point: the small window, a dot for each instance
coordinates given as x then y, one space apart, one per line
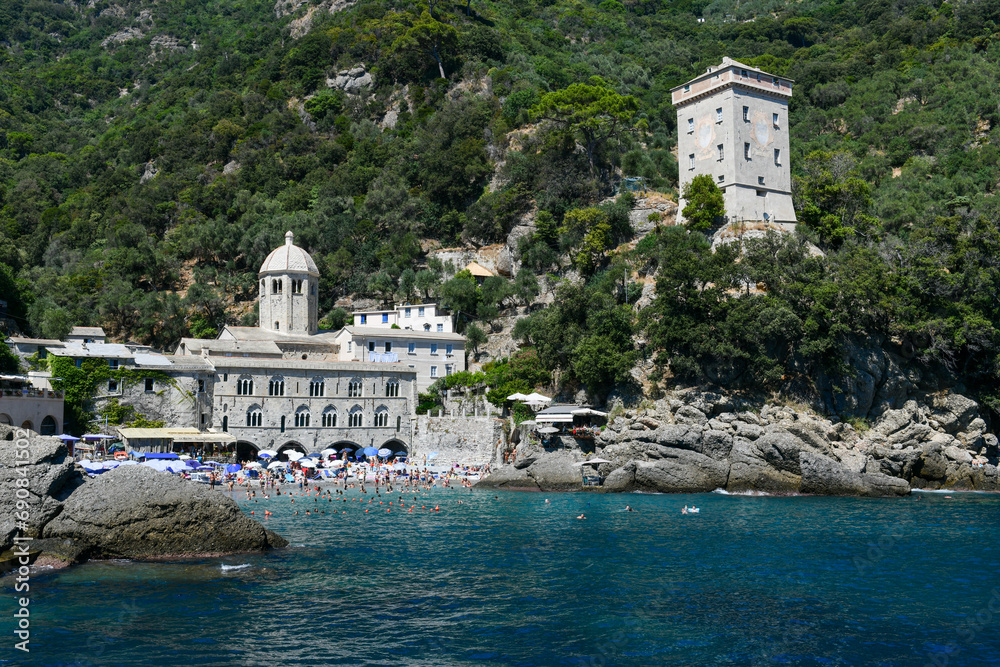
449 349
743 73
225 377
277 325
746 114
448 370
722 152
282 423
420 311
434 371
777 156
777 82
203 418
113 364
225 424
718 115
760 180
746 150
440 327
354 389
392 389
349 344
722 177
385 318
112 386
434 348
690 125
687 87
407 312
364 319
774 119
762 193
354 418
149 384
371 346
411 347
691 161
79 363
388 346
201 386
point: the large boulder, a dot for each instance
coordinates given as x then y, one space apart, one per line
824 476
137 512
40 465
508 477
749 471
680 471
557 471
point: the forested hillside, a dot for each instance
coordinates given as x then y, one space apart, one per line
152 153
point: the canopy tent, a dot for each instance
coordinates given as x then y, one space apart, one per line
517 397
583 412
535 397
592 462
97 436
152 455
67 438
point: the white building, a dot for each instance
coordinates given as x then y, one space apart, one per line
418 317
432 354
732 124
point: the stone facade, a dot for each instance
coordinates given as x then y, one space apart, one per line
288 290
462 440
431 355
733 125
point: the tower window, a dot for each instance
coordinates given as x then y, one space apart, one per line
690 125
722 177
691 161
774 119
354 419
254 417
687 87
317 387
244 386
302 419
330 418
354 389
746 150
276 387
718 115
760 180
149 384
722 152
746 114
392 388
777 156
277 325
761 193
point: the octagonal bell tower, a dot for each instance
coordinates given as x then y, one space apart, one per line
289 281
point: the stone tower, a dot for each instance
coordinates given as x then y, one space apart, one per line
288 284
732 123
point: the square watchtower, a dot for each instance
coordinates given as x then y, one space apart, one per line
732 124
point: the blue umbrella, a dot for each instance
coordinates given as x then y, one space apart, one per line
233 467
370 451
346 449
264 456
401 454
314 456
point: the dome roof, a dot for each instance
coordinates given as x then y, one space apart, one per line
289 258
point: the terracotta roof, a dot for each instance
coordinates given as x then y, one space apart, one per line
479 271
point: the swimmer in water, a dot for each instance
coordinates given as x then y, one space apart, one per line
628 508
581 517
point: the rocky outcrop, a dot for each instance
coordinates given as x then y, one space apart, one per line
129 512
351 81
700 441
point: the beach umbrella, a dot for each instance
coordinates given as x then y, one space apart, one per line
67 438
385 452
234 467
193 463
401 454
548 430
328 451
516 397
156 464
128 463
253 464
335 464
535 397
267 452
294 455
399 466
184 457
346 449
277 464
307 463
370 451
265 455
314 455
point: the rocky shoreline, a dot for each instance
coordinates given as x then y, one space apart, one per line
131 512
698 441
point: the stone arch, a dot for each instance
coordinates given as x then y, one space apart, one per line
48 426
5 419
396 445
246 450
289 446
27 423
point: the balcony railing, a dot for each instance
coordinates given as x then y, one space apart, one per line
31 393
383 357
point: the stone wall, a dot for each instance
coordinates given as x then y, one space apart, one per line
464 440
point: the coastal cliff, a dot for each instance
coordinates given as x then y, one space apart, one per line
694 441
129 512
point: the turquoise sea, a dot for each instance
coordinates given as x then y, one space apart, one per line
510 579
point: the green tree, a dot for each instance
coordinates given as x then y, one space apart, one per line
430 37
704 203
475 337
593 110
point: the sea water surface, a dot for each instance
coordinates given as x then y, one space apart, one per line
516 579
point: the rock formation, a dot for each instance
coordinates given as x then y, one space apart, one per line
129 512
700 441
